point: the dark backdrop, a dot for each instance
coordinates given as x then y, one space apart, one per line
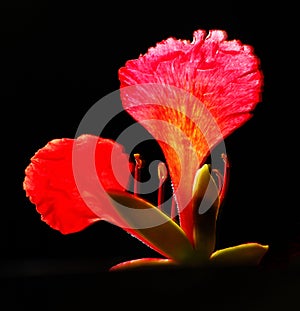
59 59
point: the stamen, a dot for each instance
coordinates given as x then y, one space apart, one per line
220 179
173 209
137 173
225 177
162 176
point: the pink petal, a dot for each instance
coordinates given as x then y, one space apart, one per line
199 92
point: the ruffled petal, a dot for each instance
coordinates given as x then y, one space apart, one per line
60 197
200 92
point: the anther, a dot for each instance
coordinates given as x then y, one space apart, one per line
225 176
137 172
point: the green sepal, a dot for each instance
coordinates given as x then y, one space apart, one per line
205 210
150 224
248 254
144 263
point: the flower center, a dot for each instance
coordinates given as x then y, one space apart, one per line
169 207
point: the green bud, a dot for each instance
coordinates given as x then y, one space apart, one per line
205 210
205 190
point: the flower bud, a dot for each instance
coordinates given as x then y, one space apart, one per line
205 210
205 190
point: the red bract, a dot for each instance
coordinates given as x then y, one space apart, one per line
50 183
204 89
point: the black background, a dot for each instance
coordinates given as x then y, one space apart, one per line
59 59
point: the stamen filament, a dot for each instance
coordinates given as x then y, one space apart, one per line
137 173
162 175
220 179
173 208
225 177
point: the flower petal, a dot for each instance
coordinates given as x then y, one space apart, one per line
50 184
205 89
248 254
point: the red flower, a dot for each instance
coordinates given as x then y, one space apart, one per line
202 91
189 96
